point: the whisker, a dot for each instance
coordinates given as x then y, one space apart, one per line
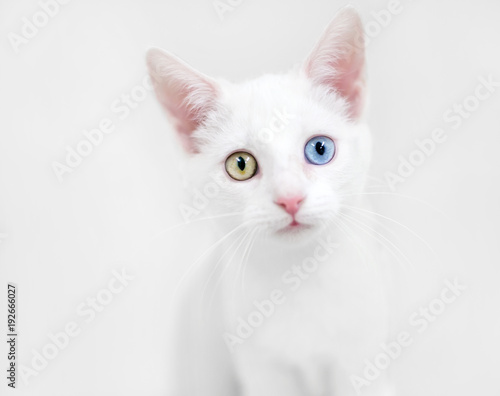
361 224
221 276
354 208
195 221
378 223
253 237
344 227
216 266
398 195
211 248
372 267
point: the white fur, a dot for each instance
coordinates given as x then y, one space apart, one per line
336 319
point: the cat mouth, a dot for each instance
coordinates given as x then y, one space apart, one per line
293 227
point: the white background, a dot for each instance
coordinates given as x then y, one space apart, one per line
64 239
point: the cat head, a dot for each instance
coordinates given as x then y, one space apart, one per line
288 149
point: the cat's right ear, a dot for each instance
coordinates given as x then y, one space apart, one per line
187 95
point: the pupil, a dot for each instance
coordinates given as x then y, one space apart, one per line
241 163
320 148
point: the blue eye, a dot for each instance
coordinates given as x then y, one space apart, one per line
319 150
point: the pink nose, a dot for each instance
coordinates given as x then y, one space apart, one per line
290 204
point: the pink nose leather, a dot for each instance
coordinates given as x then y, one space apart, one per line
290 204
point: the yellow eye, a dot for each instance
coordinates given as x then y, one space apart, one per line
241 166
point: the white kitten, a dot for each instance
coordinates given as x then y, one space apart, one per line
295 301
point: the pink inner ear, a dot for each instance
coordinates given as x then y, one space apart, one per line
187 118
338 60
344 76
186 95
350 83
188 103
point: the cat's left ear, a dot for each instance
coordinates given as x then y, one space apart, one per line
186 94
338 60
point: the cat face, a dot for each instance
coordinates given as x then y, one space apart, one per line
290 147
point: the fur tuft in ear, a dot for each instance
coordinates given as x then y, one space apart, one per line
338 60
186 94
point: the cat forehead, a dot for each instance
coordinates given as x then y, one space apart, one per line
268 93
284 106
